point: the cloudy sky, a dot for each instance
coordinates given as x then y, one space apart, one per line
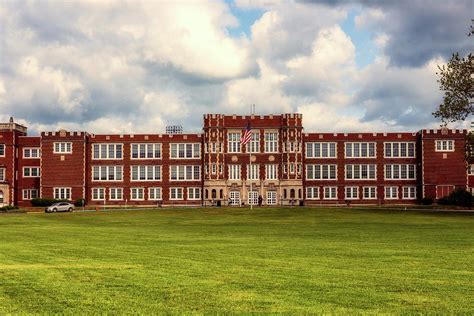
134 67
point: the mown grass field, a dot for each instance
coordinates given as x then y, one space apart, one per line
237 260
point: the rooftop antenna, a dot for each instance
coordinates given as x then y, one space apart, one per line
252 109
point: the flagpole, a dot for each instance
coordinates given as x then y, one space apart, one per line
250 172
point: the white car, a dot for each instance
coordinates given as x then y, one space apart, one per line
60 207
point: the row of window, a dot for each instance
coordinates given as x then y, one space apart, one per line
361 172
138 194
146 173
366 193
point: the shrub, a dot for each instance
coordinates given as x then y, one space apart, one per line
427 201
8 207
458 197
45 201
80 202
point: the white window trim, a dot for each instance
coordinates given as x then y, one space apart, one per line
64 188
330 198
444 140
28 194
391 198
182 194
369 198
399 151
321 179
107 180
137 199
4 150
155 189
110 194
31 168
31 149
146 173
360 168
65 146
97 199
115 151
313 198
239 132
320 150
185 158
239 172
185 179
368 157
273 141
403 192
399 179
146 148
269 199
2 174
267 167
194 193
351 188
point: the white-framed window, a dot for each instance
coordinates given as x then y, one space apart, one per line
352 193
234 197
176 194
360 150
271 172
271 197
285 168
444 145
400 172
31 172
215 147
62 193
369 193
107 151
233 142
409 192
312 193
292 167
253 172
62 148
194 193
107 173
391 193
271 142
252 197
321 150
234 172
145 151
185 173
2 150
254 145
399 149
116 194
470 170
185 151
361 172
98 194
31 153
330 193
2 174
29 194
154 194
145 173
321 172
214 168
137 194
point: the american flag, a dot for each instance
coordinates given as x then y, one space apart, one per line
247 136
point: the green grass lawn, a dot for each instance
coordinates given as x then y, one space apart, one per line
220 260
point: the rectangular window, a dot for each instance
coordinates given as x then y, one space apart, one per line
312 193
271 142
254 145
29 194
271 198
391 193
321 172
234 172
145 151
352 193
116 194
233 142
400 172
107 173
185 173
409 193
253 172
360 150
330 193
444 145
107 151
2 150
31 172
154 194
176 194
321 150
470 170
399 149
369 193
62 148
62 193
185 151
2 174
194 193
361 172
145 173
137 194
234 198
271 172
31 153
98 194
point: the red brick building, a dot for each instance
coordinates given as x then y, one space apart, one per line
281 165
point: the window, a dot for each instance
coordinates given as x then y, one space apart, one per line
62 193
444 190
137 194
330 193
271 142
312 193
321 150
116 194
292 167
146 151
233 142
176 193
62 148
2 174
185 173
352 193
253 172
31 172
444 145
391 193
185 151
194 193
107 151
253 197
400 172
360 150
234 172
254 145
145 173
214 168
271 198
399 149
154 194
30 153
321 172
369 192
2 150
107 173
271 172
234 198
98 194
361 172
470 170
29 194
409 193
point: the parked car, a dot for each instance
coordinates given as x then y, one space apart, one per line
60 207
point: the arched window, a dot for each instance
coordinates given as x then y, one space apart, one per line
299 193
284 193
214 194
292 193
